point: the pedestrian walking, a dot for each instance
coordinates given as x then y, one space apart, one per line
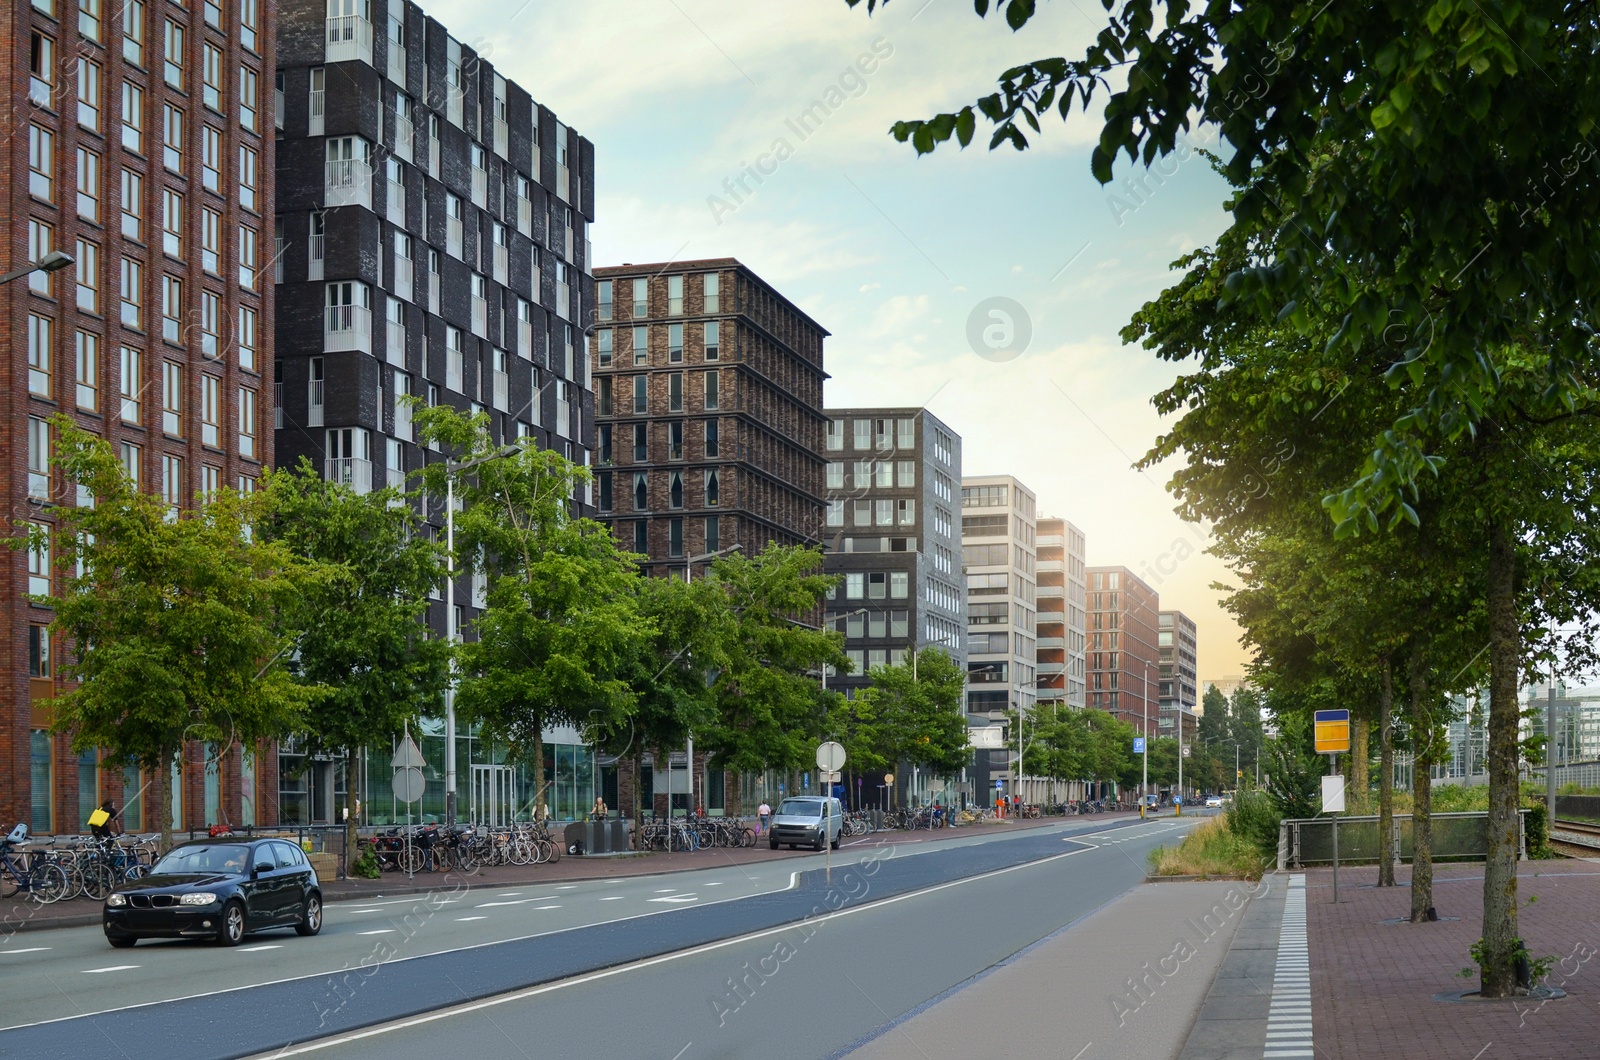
764 816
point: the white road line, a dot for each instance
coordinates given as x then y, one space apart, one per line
29 949
519 901
258 949
362 910
508 894
547 907
613 898
566 887
546 988
380 931
460 919
666 890
1289 1029
675 898
718 883
112 968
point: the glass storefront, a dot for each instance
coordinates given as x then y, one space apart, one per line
88 787
39 761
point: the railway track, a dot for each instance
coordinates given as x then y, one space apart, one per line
1582 837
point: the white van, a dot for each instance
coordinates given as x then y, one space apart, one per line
799 822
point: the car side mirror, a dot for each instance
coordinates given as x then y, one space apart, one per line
260 868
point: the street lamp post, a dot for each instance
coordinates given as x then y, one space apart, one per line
1144 710
450 473
688 762
54 261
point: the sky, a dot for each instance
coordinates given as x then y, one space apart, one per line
758 129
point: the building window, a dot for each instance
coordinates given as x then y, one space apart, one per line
211 77
640 349
172 398
38 459
713 331
213 13
42 67
172 222
899 584
88 370
133 32
247 338
855 585
88 94
133 463
133 117
172 483
38 651
675 343
712 397
88 272
641 491
89 19
41 241
641 298
836 513
248 85
836 474
862 513
710 288
641 398
884 512
907 473
171 308
675 537
211 241
713 488
41 354
211 159
247 178
172 138
675 296
132 385
640 442
835 436
603 347
210 410
603 298
247 422
88 185
675 490
641 537
172 55
249 23
862 432
247 257
132 204
675 392
41 162
712 445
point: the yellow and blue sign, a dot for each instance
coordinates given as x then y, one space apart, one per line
1332 731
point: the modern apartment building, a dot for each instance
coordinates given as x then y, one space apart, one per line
1062 614
140 139
891 481
431 233
709 422
1124 656
708 434
999 541
1177 639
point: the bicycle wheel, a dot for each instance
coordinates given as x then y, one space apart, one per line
555 850
467 858
9 885
410 859
96 880
48 883
747 837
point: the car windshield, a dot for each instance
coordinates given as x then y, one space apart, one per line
221 857
801 808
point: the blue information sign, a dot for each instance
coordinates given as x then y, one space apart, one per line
1138 745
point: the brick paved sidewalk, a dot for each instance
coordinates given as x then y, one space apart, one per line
26 916
1373 984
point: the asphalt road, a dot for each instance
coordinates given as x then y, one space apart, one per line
658 952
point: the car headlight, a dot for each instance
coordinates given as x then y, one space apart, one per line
116 900
200 898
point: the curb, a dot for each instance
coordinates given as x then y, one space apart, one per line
1226 877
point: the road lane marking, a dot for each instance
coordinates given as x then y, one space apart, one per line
112 968
613 898
675 898
30 949
460 919
566 887
363 910
258 949
547 907
718 883
666 890
380 931
518 901
508 894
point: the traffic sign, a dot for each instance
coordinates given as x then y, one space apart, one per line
1332 731
830 756
831 778
408 755
1333 794
409 784
1138 745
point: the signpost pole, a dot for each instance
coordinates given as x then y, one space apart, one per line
1333 769
1332 736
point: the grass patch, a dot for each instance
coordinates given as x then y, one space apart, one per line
1210 850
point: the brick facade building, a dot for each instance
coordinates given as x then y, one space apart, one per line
139 139
1124 657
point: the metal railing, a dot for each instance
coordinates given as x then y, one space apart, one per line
1455 837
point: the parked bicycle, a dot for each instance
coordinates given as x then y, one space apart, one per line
29 871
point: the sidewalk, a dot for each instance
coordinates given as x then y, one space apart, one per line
29 916
1374 984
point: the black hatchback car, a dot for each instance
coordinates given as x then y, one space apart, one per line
220 889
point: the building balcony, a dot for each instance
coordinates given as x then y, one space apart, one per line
502 392
480 188
314 259
563 190
525 338
502 264
349 183
452 371
452 236
404 275
563 301
480 317
402 430
397 478
318 112
347 327
455 106
433 157
349 40
397 64
394 203
314 403
405 135
349 471
395 344
433 293
502 137
525 217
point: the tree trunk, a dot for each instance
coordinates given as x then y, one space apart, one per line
164 797
352 788
1360 764
1500 942
1422 728
541 809
1386 777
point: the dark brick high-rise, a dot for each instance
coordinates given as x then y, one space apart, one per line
140 143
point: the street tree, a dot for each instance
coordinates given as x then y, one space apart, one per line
365 651
917 712
179 621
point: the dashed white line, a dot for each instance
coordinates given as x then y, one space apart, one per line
461 919
546 907
380 931
613 898
258 949
1289 1030
27 949
112 968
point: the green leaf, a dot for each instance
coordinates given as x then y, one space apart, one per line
1383 115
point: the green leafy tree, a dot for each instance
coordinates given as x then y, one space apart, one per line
917 713
179 621
1291 769
562 626
365 652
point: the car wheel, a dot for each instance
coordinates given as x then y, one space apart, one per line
121 942
231 931
773 844
818 844
313 918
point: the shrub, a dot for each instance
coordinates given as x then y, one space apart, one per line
366 864
1254 817
1212 849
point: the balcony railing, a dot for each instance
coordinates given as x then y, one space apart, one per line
349 471
314 261
349 40
347 327
314 403
502 137
525 338
405 137
397 64
452 371
480 317
349 183
277 406
433 157
563 301
433 293
318 111
403 277
452 236
480 188
502 263
395 343
402 424
395 204
502 392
